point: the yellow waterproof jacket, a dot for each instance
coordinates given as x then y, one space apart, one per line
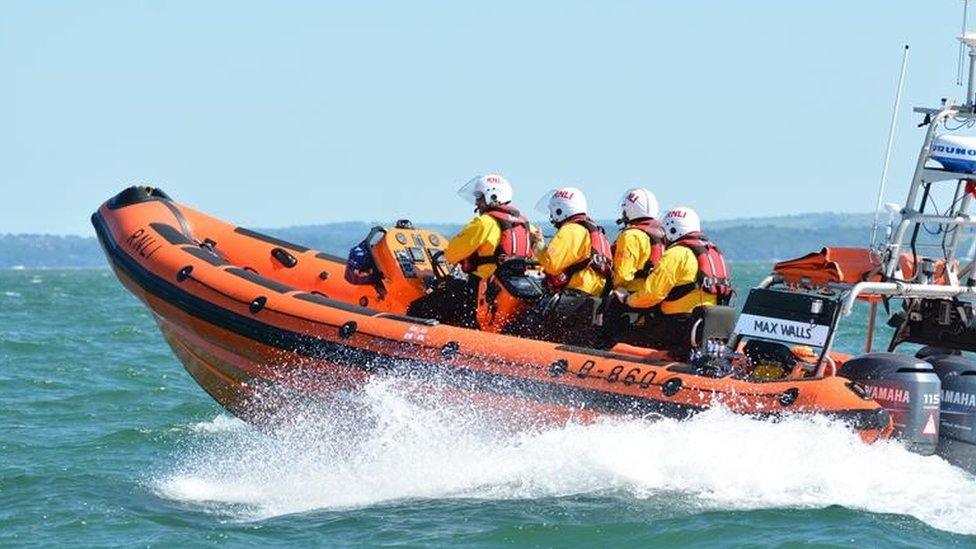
632 251
480 237
678 266
570 245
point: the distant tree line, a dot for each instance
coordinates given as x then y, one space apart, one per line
45 250
751 241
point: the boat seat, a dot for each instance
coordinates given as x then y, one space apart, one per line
716 323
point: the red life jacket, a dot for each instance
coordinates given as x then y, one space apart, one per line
601 254
713 274
652 228
515 240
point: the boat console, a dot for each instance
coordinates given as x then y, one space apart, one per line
408 258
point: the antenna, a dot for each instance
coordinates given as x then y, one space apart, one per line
969 40
891 138
959 64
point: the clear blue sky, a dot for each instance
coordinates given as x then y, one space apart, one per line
285 113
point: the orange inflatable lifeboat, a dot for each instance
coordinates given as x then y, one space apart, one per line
243 310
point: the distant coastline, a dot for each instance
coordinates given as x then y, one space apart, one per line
748 239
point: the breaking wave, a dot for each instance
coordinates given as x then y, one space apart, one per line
389 443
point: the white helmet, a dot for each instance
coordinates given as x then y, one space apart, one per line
562 203
494 188
679 222
638 204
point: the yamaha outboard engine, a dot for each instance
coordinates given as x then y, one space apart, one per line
958 375
908 388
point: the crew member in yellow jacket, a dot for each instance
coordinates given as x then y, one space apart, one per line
498 233
578 259
636 252
641 243
578 269
691 274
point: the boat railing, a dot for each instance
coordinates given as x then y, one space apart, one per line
905 237
851 292
901 289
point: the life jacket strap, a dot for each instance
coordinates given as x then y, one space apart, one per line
515 240
713 274
600 258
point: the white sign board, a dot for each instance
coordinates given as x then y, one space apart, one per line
789 331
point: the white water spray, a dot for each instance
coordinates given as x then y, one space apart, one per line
389 447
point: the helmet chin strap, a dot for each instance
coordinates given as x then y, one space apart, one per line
565 219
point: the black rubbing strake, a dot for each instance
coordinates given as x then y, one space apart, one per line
271 240
209 257
260 280
330 257
410 319
170 233
335 304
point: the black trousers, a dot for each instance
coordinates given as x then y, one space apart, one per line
453 301
648 328
566 317
671 333
620 324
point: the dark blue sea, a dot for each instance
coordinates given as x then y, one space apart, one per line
106 441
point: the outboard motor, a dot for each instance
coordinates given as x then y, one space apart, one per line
958 375
908 388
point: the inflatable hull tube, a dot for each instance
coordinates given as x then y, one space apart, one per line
241 316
